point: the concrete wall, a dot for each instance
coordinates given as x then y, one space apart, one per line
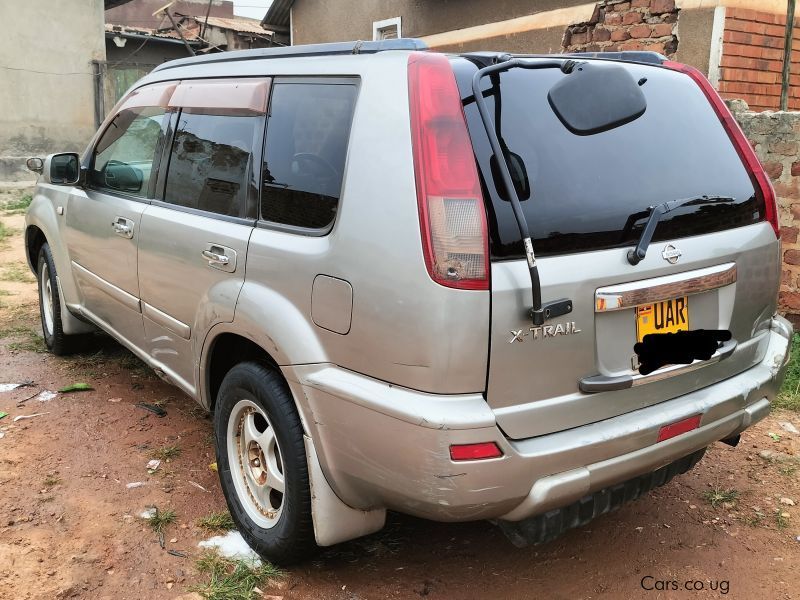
776 139
46 80
324 21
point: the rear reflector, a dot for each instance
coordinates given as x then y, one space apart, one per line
455 239
475 451
748 157
679 427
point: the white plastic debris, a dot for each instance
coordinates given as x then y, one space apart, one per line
46 396
788 427
232 545
7 387
134 485
198 486
153 465
148 513
23 417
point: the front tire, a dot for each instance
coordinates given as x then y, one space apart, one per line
262 463
57 342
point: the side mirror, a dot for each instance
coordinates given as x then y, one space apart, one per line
123 177
35 164
65 168
593 98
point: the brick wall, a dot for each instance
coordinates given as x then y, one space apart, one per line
626 25
752 59
776 139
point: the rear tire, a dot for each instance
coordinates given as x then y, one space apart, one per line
262 464
57 342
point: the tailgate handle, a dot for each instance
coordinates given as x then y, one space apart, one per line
605 383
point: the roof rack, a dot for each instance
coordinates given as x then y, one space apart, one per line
336 48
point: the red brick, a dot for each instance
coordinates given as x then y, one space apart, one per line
746 26
662 29
632 45
732 49
601 35
789 300
776 31
796 168
662 6
579 38
621 7
631 18
789 235
731 74
784 148
620 35
613 18
739 37
792 257
640 31
656 47
640 3
745 14
774 169
757 64
795 209
790 191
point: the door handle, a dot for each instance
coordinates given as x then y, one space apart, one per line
123 227
215 258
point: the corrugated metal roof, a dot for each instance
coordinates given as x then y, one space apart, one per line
123 29
277 16
240 24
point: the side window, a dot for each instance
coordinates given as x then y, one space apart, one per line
123 158
308 129
209 162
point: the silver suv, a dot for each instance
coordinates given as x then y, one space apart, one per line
478 286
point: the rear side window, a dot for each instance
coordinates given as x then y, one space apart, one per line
308 129
123 157
210 161
592 192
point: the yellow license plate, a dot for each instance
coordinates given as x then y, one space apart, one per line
668 316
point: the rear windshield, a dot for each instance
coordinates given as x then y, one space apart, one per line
586 191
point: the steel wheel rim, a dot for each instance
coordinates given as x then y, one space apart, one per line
47 299
256 463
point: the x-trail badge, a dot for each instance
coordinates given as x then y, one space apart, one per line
671 254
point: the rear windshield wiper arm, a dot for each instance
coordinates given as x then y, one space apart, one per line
654 214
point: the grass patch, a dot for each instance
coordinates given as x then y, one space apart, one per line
5 233
789 396
787 470
217 521
51 481
718 496
17 272
231 580
166 452
780 521
159 521
754 520
18 206
33 342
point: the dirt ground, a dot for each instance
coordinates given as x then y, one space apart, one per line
69 526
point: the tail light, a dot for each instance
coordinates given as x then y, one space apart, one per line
451 210
479 451
760 179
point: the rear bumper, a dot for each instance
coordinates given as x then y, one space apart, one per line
381 446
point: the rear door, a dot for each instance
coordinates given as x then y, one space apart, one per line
194 236
710 266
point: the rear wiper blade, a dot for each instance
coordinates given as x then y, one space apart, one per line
654 214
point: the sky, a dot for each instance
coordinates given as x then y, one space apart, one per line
255 9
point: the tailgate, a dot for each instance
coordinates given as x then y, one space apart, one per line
535 376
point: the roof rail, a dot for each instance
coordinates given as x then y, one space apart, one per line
335 48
